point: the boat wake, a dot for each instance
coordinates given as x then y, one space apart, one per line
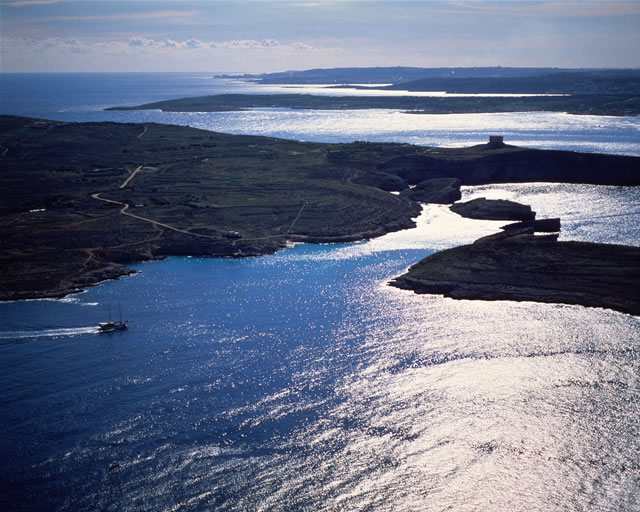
64 332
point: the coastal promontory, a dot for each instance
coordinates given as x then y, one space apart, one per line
78 201
519 265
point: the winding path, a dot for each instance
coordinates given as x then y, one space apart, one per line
124 211
157 225
296 219
130 177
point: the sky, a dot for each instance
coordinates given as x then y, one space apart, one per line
267 36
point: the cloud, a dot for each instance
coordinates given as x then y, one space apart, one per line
140 41
193 44
247 44
140 53
172 15
168 43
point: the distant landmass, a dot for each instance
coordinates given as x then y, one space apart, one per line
392 75
593 104
614 92
609 82
79 200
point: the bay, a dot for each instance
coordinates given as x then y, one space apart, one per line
301 381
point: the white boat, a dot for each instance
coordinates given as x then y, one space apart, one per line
106 327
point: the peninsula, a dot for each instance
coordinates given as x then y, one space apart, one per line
522 266
592 104
611 92
81 200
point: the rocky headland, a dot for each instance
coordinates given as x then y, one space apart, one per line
78 201
494 209
518 264
521 266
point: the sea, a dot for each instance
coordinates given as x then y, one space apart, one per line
301 381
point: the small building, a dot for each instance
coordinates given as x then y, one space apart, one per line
496 141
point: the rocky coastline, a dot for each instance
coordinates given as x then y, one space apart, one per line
519 265
80 201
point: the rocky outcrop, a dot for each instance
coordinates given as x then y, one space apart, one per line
437 190
539 225
518 265
494 209
381 180
481 165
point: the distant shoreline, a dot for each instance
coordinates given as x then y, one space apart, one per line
603 105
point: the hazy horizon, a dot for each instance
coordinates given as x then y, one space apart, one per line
249 72
269 36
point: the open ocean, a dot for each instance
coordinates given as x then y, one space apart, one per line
300 380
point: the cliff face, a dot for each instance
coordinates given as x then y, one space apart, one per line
518 265
107 194
517 165
494 209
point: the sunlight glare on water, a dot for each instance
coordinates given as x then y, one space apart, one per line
370 90
612 214
301 380
545 130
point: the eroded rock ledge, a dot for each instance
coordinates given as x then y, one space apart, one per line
518 265
494 209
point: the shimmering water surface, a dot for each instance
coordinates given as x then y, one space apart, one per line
83 96
301 381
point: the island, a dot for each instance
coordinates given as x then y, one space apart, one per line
494 209
385 75
79 201
474 80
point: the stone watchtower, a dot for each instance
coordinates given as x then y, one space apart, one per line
496 141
